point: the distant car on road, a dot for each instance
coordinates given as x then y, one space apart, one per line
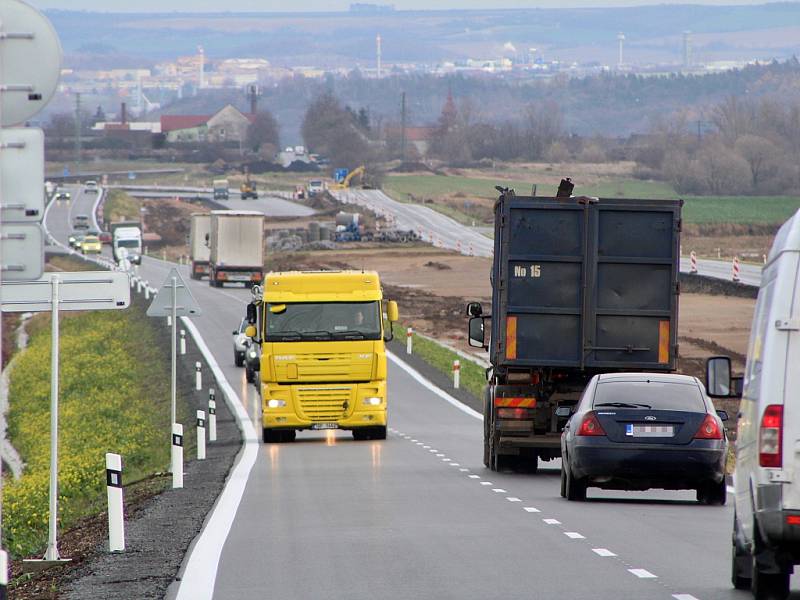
80 222
91 245
636 431
76 244
63 196
91 187
74 238
105 237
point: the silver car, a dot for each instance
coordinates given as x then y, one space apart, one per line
240 344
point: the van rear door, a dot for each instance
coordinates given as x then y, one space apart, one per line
788 325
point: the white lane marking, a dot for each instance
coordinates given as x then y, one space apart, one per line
552 521
426 447
419 444
642 573
463 470
574 535
683 597
730 489
513 499
499 491
199 571
414 441
452 464
603 552
486 483
440 455
530 509
447 459
474 476
441 393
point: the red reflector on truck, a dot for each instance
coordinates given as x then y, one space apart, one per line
511 338
512 413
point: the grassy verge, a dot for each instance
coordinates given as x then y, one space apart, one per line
739 209
473 376
119 206
114 397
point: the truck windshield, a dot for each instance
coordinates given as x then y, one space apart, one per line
127 243
328 321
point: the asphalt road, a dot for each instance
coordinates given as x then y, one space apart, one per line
418 516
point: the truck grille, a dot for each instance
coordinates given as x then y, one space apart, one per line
325 404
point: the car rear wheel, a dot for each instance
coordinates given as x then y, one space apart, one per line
741 563
238 359
713 493
576 488
563 479
250 375
769 586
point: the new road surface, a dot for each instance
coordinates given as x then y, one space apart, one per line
418 516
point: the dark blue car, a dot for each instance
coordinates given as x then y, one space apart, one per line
636 431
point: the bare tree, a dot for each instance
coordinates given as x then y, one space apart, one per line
760 154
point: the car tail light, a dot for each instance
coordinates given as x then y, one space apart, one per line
770 437
590 425
793 520
709 429
512 413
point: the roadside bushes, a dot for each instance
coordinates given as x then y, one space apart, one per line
114 397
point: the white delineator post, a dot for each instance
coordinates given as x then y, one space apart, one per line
456 374
177 455
735 273
183 342
201 435
147 291
52 542
198 376
693 260
409 340
212 416
116 514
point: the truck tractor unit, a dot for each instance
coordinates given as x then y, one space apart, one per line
220 189
126 242
580 286
323 357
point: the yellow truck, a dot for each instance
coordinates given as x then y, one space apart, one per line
323 356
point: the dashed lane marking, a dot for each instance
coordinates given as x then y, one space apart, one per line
462 469
499 491
603 552
486 483
642 573
552 521
574 535
513 499
474 476
683 597
531 509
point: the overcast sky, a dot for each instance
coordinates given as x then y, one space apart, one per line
338 5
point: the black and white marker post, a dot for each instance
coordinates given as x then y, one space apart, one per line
177 455
116 514
212 416
198 369
201 435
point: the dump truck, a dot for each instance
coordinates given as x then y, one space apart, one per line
199 244
580 286
323 358
236 247
220 189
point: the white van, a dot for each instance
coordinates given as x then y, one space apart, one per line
766 530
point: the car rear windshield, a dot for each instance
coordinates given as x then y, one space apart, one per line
649 395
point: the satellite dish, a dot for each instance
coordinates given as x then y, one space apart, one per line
30 62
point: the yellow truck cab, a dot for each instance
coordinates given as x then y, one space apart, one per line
323 357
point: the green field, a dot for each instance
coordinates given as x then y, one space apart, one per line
698 209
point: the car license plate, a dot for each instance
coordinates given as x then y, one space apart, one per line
641 430
325 426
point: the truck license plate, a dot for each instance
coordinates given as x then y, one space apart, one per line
238 278
640 430
325 426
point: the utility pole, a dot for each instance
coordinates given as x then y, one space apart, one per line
403 128
78 143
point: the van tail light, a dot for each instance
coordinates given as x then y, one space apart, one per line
590 425
770 437
709 429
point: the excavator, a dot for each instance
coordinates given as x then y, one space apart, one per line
345 183
248 188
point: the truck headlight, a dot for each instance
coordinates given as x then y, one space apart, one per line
373 401
273 403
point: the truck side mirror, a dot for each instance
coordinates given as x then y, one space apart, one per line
252 313
474 309
477 333
392 312
250 331
718 377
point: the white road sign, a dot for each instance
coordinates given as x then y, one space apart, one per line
84 290
185 304
21 175
22 251
27 40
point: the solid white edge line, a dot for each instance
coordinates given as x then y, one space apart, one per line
198 573
433 388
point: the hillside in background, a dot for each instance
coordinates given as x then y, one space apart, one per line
653 34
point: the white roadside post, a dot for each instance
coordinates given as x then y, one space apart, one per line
177 456
198 376
183 342
456 374
52 545
409 340
201 435
116 514
212 416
